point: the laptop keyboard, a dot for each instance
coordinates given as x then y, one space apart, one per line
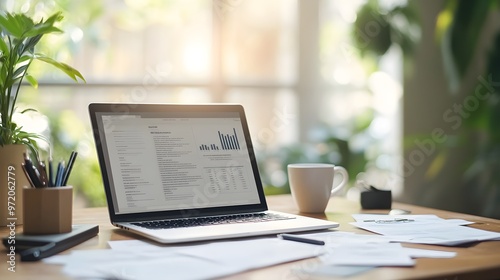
218 220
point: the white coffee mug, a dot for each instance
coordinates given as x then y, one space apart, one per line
311 184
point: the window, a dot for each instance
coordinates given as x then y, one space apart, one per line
288 62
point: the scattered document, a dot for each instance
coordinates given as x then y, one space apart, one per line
333 238
424 253
254 253
354 249
423 229
344 254
419 219
134 259
369 254
327 270
145 246
337 238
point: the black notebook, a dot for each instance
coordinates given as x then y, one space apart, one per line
37 247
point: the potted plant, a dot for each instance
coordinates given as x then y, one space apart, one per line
19 36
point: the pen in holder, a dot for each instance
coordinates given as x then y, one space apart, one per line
48 204
47 210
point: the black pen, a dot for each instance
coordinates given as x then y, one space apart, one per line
292 237
51 174
23 165
42 169
59 174
32 172
67 172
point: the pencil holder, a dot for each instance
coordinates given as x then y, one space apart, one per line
47 210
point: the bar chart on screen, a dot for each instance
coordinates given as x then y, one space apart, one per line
227 142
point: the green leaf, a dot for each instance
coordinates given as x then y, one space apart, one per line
25 22
68 70
3 76
10 82
33 82
460 40
19 37
54 18
4 48
41 30
29 45
375 43
11 24
46 27
21 71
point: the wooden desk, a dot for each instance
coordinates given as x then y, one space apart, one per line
479 261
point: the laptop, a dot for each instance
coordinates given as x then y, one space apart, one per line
180 173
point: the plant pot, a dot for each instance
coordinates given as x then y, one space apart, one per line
12 182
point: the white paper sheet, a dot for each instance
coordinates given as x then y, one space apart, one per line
416 219
370 254
336 238
132 259
369 217
254 253
424 253
424 230
341 237
173 267
346 253
327 270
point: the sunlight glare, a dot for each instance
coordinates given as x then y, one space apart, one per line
25 7
76 35
195 58
386 93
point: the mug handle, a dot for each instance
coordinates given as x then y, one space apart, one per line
345 179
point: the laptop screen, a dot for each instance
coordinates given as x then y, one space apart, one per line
171 157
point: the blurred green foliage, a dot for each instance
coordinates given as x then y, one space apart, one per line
461 35
68 133
459 31
378 27
328 144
